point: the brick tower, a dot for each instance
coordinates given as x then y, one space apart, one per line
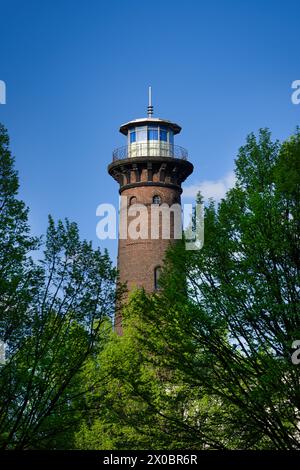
150 170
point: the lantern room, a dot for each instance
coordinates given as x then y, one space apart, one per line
150 137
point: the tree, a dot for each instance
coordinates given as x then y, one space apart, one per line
51 316
243 298
206 362
41 379
16 243
138 401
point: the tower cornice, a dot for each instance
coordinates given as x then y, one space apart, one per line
150 171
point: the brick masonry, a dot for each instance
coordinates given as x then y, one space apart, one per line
142 179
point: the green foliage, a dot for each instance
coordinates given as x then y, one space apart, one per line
51 316
206 363
243 298
141 400
16 270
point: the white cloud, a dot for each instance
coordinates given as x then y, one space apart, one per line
211 189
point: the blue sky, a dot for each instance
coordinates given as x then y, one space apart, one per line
76 70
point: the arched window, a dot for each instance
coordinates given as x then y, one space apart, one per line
132 200
157 271
156 199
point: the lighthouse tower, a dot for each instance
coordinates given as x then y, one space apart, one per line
149 169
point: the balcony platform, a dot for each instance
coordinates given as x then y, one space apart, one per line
150 149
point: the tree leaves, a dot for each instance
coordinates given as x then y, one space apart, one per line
51 315
206 362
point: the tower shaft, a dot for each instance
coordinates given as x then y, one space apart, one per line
150 170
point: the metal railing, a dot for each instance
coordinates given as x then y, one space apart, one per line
150 149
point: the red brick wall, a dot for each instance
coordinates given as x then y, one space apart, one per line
137 259
143 178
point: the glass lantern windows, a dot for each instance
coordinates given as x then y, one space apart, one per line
152 133
163 134
132 136
141 134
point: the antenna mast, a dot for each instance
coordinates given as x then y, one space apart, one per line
150 107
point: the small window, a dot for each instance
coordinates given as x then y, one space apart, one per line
132 136
163 134
171 138
156 199
157 272
132 200
152 133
